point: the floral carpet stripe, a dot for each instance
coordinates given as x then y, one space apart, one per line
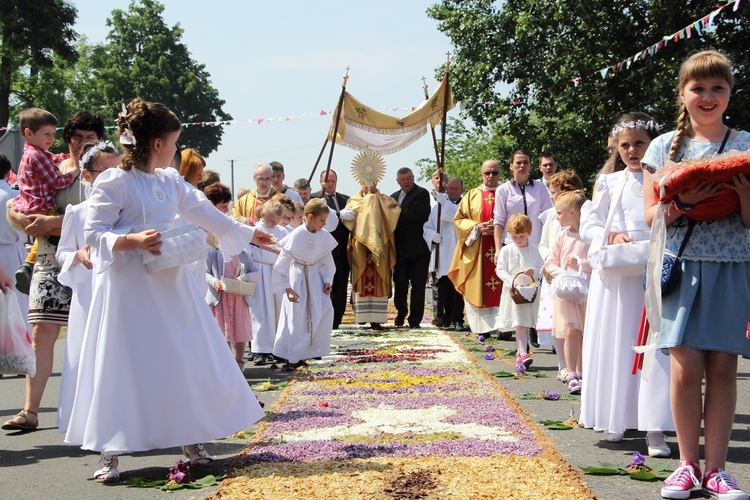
389 405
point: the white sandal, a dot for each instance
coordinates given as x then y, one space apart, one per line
107 471
197 455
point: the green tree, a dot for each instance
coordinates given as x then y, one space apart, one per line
145 58
34 35
530 71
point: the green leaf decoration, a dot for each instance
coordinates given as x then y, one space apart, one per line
502 374
603 471
643 475
476 349
208 480
142 482
172 487
555 425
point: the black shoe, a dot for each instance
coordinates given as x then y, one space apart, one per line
533 338
414 327
505 335
554 351
376 326
399 321
23 278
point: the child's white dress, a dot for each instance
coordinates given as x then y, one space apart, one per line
610 395
511 261
155 371
305 264
80 279
265 304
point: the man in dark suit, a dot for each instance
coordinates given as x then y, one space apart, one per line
336 202
412 252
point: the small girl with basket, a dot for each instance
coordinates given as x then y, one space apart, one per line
703 320
519 265
613 399
231 310
569 251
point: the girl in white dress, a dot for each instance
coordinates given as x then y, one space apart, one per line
265 304
520 256
77 261
155 371
612 398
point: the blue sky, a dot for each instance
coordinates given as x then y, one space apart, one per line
284 58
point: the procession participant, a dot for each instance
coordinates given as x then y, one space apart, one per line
250 202
277 181
303 189
303 272
450 303
472 269
336 203
49 301
547 166
372 247
412 253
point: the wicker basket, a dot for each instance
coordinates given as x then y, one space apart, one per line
525 294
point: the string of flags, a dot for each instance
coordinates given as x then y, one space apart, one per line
698 26
258 120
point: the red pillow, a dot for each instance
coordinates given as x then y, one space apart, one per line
718 169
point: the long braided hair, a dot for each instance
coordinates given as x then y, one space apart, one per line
702 65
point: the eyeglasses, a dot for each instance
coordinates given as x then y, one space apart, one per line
491 172
263 179
287 218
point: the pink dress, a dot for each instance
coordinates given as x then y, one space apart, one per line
566 314
232 312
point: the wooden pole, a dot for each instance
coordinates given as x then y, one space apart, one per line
440 181
336 125
315 167
432 129
446 92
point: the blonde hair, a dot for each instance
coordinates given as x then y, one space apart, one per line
272 207
574 199
519 223
316 206
702 65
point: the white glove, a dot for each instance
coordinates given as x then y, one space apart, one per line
347 214
436 238
440 197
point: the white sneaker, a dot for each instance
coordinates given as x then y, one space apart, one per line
615 437
562 375
107 469
657 446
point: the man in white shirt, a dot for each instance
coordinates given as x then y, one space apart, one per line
442 239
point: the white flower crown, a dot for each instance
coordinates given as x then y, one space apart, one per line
641 124
91 152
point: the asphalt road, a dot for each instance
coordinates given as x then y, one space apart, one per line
37 465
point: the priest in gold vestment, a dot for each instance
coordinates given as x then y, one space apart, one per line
372 253
472 269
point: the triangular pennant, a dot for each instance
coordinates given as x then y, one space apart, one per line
260 120
736 5
689 31
697 26
604 72
323 113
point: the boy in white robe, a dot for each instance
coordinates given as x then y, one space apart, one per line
304 269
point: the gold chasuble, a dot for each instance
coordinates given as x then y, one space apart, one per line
472 269
249 203
372 249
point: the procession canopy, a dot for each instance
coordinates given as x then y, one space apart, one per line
362 128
